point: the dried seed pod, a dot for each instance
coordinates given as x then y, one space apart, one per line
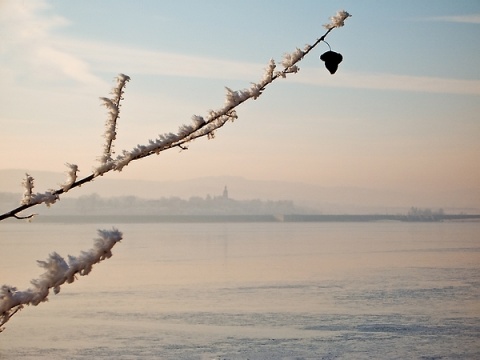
331 59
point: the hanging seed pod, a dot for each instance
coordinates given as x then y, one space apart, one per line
331 59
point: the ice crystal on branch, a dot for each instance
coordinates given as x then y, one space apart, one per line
268 76
110 128
185 130
234 98
338 20
49 197
30 198
57 272
198 121
118 91
71 176
290 59
113 107
28 192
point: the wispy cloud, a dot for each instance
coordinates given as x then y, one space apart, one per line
394 82
37 48
108 56
28 50
105 57
471 19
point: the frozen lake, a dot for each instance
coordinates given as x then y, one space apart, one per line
380 290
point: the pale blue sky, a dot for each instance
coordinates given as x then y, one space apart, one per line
401 112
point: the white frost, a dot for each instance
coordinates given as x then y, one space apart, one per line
338 20
49 197
71 176
113 107
290 59
28 190
57 272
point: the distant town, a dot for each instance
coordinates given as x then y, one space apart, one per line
222 204
217 208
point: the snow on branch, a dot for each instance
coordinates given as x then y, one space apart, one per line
57 272
199 127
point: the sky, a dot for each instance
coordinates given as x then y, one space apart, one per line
401 113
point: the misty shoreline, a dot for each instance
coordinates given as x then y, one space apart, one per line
201 196
139 219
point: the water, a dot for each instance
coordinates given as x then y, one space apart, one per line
252 291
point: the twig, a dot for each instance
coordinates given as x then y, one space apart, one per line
58 271
201 127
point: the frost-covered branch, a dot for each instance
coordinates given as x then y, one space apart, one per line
200 126
338 20
57 272
113 106
206 126
28 190
71 176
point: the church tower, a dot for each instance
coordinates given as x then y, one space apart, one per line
225 192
